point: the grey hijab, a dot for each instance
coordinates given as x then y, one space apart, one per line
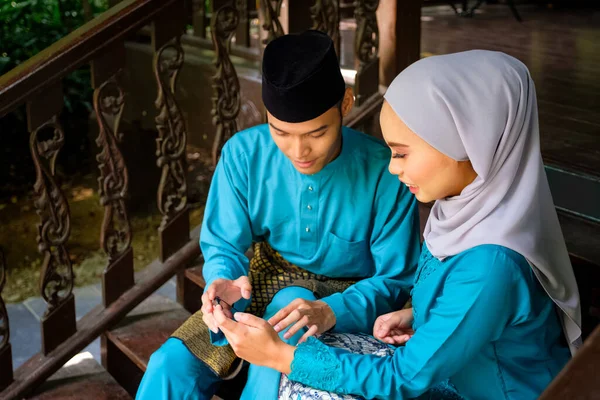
481 106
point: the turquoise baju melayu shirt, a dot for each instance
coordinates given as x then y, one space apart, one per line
353 219
482 322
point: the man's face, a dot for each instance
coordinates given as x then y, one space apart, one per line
311 145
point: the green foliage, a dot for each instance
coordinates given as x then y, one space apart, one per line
29 26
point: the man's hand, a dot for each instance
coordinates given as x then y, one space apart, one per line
395 327
255 341
227 290
316 315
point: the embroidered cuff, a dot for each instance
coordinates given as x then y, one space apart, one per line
315 365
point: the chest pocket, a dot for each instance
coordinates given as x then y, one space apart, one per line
347 258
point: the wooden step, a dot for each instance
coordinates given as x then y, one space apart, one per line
127 347
81 377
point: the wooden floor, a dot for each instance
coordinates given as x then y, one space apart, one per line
561 49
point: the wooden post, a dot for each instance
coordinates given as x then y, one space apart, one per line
301 20
399 36
172 191
199 18
57 278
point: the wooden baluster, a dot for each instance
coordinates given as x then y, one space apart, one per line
366 47
171 143
242 33
326 18
57 280
270 12
226 86
115 235
6 367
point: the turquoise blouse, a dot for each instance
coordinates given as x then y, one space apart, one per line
482 323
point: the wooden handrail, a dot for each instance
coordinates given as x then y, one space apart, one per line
40 367
79 47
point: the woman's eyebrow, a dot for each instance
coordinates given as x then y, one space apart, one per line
394 144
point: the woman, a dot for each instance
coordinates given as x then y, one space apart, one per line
463 130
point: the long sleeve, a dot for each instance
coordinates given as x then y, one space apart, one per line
476 303
226 231
395 250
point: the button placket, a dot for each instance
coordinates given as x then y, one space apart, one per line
308 211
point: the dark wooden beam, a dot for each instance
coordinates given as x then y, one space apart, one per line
399 36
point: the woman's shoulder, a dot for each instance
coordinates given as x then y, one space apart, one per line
492 253
492 262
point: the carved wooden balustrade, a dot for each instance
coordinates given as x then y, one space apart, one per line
101 43
37 83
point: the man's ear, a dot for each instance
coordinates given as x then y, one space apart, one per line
347 102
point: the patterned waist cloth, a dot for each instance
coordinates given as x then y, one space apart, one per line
269 273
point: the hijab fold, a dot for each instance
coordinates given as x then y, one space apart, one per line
481 106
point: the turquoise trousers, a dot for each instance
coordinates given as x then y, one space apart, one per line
174 373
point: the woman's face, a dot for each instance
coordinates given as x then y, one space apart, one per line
429 174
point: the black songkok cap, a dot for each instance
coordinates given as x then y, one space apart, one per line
301 76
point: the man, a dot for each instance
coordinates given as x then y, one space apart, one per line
336 236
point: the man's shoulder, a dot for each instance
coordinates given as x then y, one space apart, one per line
368 153
367 147
250 142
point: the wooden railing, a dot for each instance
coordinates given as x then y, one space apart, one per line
100 42
37 82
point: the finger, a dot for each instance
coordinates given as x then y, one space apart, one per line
296 327
401 339
377 328
245 287
400 332
227 325
388 340
311 332
207 306
292 317
383 329
209 320
251 320
281 314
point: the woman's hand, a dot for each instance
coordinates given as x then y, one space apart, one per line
255 341
395 327
300 313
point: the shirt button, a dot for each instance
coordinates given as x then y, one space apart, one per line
307 229
310 189
309 207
